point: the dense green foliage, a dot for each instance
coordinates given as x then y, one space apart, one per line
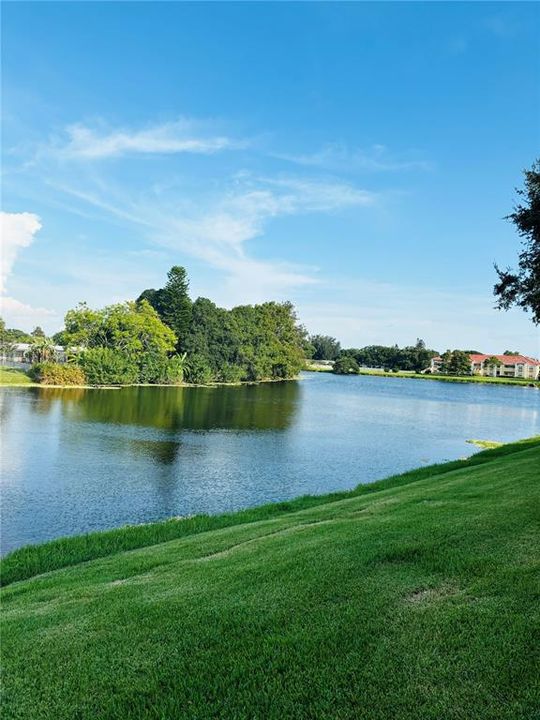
9 336
122 344
247 343
345 365
50 373
105 366
414 358
172 303
164 337
410 598
521 287
323 347
455 362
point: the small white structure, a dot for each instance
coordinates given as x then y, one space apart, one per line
512 366
18 355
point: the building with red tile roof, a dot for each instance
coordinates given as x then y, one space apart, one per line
515 366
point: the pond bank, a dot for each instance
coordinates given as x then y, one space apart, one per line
442 378
359 599
11 377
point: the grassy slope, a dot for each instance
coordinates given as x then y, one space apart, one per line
413 600
12 376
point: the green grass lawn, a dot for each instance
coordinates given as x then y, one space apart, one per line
453 378
416 597
12 376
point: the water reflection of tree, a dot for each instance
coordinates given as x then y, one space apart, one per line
46 398
249 407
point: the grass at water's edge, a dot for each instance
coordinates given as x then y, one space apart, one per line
454 378
14 377
415 602
431 376
32 560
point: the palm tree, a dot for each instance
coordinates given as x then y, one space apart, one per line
41 350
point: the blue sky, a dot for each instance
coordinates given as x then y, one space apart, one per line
355 158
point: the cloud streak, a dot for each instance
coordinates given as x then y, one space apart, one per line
338 157
88 143
218 229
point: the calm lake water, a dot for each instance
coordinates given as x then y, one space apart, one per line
81 460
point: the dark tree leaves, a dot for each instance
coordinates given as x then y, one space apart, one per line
521 287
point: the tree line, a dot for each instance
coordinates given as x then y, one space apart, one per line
387 357
164 337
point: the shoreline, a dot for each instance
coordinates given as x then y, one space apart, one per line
443 378
34 560
366 373
241 383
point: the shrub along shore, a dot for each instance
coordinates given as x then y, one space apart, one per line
411 597
10 377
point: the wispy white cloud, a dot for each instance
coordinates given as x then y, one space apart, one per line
183 136
339 157
217 229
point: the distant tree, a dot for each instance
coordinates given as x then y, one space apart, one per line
6 343
325 347
521 287
345 365
455 362
211 337
140 346
37 332
413 358
491 364
176 303
172 302
12 335
84 327
59 338
154 297
416 358
511 352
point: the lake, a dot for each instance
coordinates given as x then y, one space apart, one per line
80 460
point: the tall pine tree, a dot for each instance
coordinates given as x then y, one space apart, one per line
176 305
